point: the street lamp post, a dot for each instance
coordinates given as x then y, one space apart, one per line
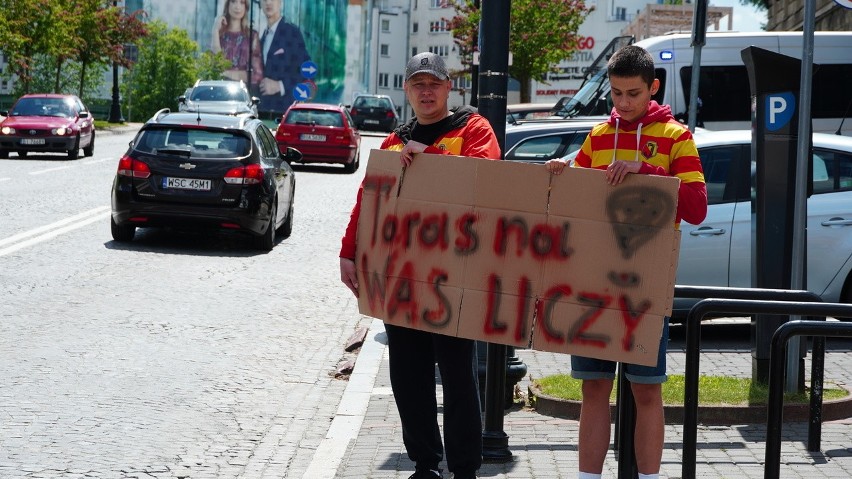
115 108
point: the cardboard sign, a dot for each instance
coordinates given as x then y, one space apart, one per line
507 253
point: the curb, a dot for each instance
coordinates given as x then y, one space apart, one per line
708 415
114 130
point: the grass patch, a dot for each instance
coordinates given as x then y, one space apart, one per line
719 390
103 124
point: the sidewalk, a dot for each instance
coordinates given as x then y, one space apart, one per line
365 439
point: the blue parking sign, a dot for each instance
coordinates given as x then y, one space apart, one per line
779 110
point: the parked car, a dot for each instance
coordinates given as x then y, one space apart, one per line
374 112
47 123
524 111
225 97
322 133
536 141
205 171
717 252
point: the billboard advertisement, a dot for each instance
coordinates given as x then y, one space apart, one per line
285 50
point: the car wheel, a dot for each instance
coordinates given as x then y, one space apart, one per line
90 150
353 166
286 228
22 154
75 150
4 154
266 241
121 233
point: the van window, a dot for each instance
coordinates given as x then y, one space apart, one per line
723 90
831 95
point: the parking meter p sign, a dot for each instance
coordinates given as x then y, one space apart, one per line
779 110
844 3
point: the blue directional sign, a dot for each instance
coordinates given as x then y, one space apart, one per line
779 110
302 91
309 69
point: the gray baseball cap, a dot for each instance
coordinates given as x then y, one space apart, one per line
427 62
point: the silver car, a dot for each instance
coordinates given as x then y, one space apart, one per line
718 251
223 97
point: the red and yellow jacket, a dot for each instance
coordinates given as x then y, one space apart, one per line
468 134
663 145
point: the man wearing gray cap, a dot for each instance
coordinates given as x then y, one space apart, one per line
413 353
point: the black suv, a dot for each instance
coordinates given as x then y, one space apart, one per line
201 170
374 112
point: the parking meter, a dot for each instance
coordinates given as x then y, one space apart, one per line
774 80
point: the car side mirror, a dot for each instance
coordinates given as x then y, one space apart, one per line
291 155
83 114
278 120
255 100
181 99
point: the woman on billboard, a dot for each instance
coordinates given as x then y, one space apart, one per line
231 35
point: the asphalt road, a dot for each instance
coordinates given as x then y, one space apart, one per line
178 355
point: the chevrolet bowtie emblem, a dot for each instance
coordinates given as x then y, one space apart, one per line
187 166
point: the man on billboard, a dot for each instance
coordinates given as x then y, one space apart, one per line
283 52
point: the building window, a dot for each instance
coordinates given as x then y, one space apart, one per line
439 3
383 49
397 81
385 25
414 27
383 80
440 50
438 26
413 51
462 82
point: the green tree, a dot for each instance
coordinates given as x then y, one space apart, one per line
542 33
32 28
165 68
102 34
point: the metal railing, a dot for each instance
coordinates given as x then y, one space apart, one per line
777 366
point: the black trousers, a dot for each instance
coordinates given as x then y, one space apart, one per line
413 355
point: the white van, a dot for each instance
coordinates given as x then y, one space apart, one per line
723 85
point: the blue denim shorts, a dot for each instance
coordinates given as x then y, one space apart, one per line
592 368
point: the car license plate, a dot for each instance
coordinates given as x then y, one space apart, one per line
371 122
32 141
312 137
187 184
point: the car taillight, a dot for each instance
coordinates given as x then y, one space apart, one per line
244 175
353 112
389 114
127 166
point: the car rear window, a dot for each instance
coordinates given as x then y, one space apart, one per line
193 142
372 102
314 117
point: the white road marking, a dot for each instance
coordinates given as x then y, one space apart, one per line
46 232
5 179
48 170
92 162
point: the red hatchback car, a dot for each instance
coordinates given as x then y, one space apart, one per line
322 133
47 123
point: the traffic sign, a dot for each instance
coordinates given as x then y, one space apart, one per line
303 91
309 69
